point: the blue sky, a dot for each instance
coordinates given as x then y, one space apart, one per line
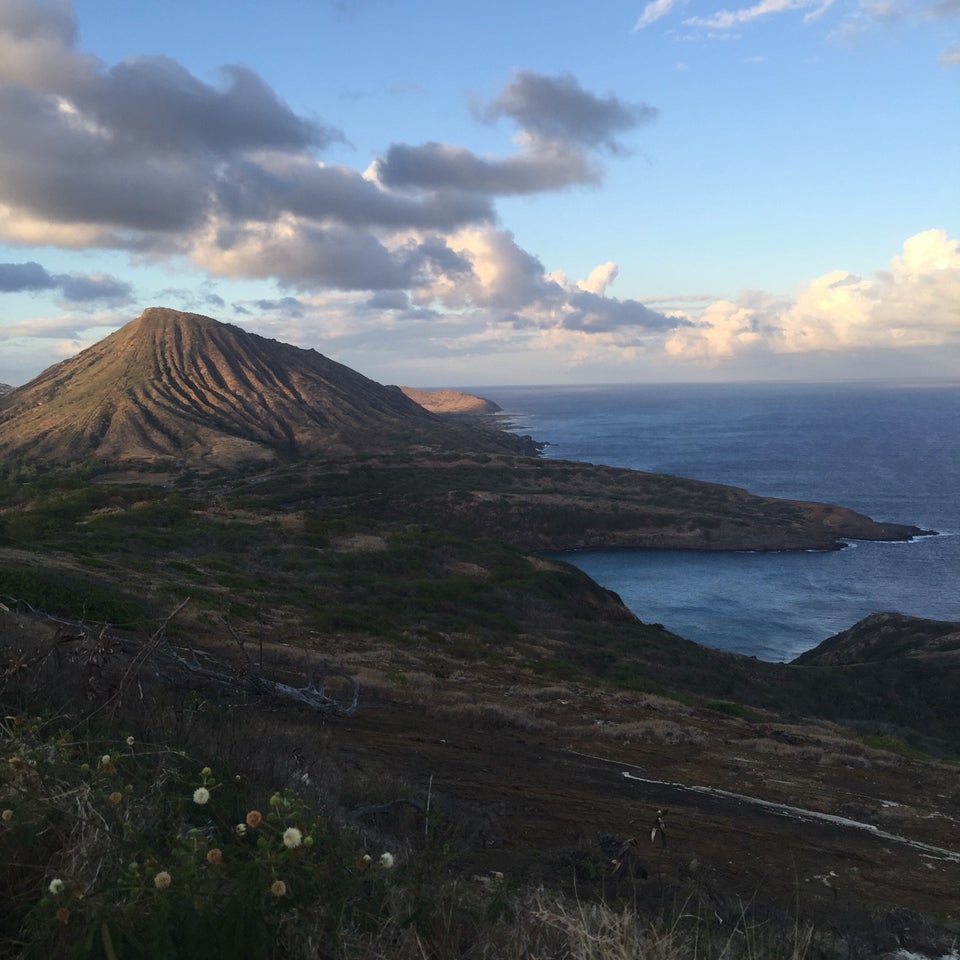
447 194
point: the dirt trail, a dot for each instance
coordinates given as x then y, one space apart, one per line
537 802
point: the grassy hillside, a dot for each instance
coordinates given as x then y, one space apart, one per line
393 551
504 693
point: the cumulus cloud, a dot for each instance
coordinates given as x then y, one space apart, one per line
591 312
513 294
510 309
599 278
17 277
306 255
134 147
558 109
389 300
288 306
73 288
144 157
502 274
561 129
95 288
275 184
433 166
912 304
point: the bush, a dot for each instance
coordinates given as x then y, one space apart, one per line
55 593
119 849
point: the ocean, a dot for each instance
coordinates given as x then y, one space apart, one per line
887 449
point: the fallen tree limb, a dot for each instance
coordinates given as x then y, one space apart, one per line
310 695
390 807
165 659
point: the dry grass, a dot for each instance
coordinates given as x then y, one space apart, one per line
538 925
651 701
660 731
493 716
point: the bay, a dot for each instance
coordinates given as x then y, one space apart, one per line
887 449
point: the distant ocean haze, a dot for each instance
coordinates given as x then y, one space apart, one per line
887 449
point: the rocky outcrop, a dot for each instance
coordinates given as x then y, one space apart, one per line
451 402
888 636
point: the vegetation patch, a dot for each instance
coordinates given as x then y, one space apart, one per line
69 595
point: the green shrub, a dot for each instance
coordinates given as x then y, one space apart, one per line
118 849
729 709
894 745
53 592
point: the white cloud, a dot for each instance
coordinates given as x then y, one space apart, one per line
56 328
600 278
950 56
913 303
653 11
726 19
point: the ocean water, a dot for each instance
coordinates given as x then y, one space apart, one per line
890 450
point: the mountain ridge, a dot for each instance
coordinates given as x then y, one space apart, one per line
179 385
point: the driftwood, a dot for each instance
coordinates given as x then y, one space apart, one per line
165 659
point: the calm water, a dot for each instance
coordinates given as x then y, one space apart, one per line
890 450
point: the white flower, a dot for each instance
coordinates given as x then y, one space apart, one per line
105 760
386 860
130 741
292 837
201 795
241 829
56 886
162 880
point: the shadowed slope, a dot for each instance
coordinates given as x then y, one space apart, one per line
172 384
884 637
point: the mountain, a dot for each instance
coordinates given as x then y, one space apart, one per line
180 385
5 388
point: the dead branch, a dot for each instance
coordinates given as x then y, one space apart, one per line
165 659
381 808
310 695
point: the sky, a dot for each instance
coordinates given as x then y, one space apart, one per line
444 194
